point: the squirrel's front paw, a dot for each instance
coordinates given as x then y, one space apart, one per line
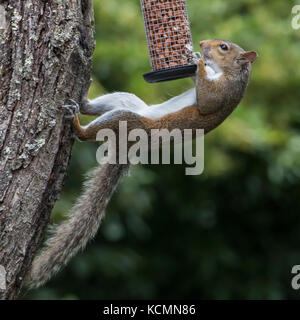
196 56
71 109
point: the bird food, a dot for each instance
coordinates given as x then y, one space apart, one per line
169 38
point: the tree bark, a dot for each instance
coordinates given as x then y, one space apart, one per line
45 58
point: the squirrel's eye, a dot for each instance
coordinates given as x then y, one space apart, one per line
224 47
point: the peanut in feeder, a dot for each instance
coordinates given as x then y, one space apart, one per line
169 40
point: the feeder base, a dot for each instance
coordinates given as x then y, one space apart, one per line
170 74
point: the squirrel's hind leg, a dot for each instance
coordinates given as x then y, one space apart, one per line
109 120
112 101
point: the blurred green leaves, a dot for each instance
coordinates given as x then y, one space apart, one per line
233 232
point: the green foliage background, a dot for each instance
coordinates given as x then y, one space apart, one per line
232 232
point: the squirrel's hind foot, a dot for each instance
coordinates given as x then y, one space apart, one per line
71 109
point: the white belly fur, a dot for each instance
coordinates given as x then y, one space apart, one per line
175 104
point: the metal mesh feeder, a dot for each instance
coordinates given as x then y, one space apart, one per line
169 40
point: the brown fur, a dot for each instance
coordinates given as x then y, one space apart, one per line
215 99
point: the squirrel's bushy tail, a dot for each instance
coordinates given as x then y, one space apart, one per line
83 222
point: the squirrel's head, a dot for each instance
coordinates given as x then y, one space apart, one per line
226 55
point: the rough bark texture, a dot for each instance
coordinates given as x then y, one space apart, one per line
45 59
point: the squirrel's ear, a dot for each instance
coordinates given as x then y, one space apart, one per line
248 56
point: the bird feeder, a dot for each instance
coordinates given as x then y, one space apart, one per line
169 40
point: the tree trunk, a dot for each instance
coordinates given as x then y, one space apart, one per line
45 58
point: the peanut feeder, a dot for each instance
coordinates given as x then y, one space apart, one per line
169 40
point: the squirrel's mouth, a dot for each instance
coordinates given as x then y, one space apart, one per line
205 52
207 60
211 66
210 63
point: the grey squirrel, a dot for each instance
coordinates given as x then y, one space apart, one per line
220 83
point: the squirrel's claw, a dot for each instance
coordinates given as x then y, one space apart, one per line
71 109
69 112
76 105
196 56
